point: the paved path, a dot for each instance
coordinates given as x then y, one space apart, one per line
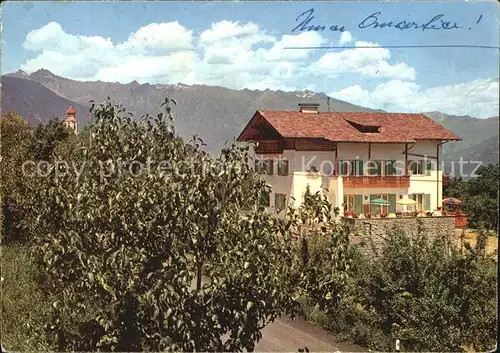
286 335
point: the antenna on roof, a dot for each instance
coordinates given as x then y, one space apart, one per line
328 102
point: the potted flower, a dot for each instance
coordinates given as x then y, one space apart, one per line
399 214
354 215
383 215
368 215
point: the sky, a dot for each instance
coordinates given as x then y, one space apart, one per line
248 45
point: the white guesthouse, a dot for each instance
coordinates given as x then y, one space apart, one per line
352 157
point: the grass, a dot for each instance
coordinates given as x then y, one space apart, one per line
22 301
471 238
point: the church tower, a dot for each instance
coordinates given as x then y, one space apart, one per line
70 120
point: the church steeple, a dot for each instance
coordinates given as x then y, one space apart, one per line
70 120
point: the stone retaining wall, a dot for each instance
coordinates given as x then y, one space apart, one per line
372 233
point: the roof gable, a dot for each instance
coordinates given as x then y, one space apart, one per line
341 126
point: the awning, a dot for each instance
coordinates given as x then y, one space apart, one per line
379 202
406 202
451 201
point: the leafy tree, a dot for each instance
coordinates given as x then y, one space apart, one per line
480 196
22 149
419 291
158 246
324 250
47 139
14 137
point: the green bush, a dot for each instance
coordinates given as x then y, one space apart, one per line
23 304
171 258
419 291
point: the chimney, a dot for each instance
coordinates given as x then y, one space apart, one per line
309 108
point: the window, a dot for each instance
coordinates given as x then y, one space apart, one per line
420 201
264 166
374 167
365 128
423 201
279 201
266 198
283 167
416 167
353 204
389 167
350 167
268 166
379 209
349 203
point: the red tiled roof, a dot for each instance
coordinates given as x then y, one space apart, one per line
335 126
71 110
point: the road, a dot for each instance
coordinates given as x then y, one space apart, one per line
285 335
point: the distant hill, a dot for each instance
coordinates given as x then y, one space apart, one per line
480 140
36 103
216 114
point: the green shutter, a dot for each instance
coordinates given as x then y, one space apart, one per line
271 166
266 198
359 168
359 204
285 167
428 167
374 208
392 200
339 167
392 168
427 202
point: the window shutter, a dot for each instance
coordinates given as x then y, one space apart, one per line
392 168
285 167
266 198
339 167
427 202
271 166
257 165
392 200
428 167
359 204
359 170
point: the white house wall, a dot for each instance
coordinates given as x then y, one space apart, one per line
295 183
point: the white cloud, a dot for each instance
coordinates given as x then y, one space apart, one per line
176 66
158 37
369 62
304 39
476 98
243 55
228 30
159 50
345 38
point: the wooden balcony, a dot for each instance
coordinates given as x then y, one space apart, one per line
386 181
269 146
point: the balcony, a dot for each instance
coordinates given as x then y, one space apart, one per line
386 181
269 146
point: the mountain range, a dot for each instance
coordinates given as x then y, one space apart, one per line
216 114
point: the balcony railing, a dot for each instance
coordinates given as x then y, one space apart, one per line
386 181
269 146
